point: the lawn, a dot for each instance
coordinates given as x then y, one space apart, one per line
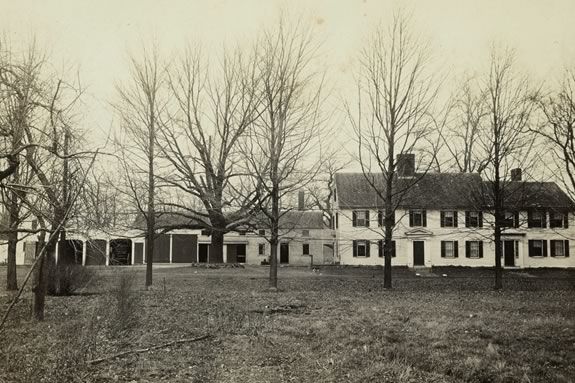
330 325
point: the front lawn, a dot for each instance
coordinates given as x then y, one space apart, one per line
328 325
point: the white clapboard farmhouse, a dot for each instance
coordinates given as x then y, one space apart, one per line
444 220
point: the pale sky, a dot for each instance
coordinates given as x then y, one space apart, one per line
97 36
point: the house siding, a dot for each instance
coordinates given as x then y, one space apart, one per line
433 234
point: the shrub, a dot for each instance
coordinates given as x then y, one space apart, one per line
70 278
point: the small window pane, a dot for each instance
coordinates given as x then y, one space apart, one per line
306 249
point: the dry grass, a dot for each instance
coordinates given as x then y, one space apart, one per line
337 325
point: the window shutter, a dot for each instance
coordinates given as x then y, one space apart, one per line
367 218
529 218
424 214
410 218
466 219
552 243
544 223
544 248
480 219
367 247
380 218
456 249
530 247
480 249
393 248
566 250
455 219
442 219
467 249
442 249
353 219
566 220
355 248
380 248
516 219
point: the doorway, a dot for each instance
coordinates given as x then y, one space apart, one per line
284 252
510 249
203 252
418 253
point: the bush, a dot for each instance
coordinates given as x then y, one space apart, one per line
69 278
125 303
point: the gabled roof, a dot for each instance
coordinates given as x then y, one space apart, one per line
425 191
297 219
532 195
292 219
446 191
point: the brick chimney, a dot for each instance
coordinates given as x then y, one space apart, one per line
516 174
301 200
405 165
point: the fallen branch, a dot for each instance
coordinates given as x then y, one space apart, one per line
142 350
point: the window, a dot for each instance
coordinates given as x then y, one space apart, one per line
381 248
241 253
448 219
449 249
417 218
241 232
557 219
537 248
473 219
305 249
474 249
560 248
536 219
361 248
261 248
305 233
360 218
261 232
381 218
511 219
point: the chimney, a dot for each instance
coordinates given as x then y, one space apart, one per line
405 165
516 174
301 200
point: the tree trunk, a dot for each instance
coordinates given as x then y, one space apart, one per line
150 239
40 279
14 221
274 240
217 247
498 254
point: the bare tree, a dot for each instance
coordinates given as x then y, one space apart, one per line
140 107
281 144
393 116
464 129
211 113
559 127
504 142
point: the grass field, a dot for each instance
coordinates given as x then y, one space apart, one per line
335 325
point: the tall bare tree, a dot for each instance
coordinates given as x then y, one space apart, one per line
211 112
393 116
140 106
282 142
505 141
558 108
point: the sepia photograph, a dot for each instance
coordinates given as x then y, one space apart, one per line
287 191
